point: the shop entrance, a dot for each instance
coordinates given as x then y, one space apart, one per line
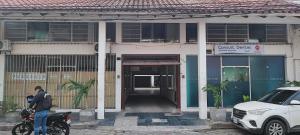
238 84
150 83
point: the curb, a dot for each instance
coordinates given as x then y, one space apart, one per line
222 125
85 125
6 126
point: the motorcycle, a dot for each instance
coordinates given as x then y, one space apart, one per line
57 123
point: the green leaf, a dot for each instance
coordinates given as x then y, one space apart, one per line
81 89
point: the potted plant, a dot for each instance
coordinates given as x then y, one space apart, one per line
81 92
292 84
246 98
217 113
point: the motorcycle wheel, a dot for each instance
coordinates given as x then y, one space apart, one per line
22 129
63 129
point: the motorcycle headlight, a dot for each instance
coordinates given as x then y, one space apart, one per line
258 111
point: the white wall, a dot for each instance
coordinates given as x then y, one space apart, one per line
57 48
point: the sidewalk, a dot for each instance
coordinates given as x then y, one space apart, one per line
141 122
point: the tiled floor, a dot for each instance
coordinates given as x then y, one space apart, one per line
165 119
140 103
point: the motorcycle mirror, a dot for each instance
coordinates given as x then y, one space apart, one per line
29 98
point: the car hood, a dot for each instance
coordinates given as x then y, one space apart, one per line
255 105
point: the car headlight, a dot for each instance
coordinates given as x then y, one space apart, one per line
258 111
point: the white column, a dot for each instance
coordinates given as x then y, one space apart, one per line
182 33
183 96
2 65
101 68
2 71
118 83
290 71
202 69
118 32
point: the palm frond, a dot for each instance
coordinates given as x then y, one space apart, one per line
81 89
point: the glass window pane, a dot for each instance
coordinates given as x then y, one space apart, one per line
15 31
172 32
80 31
213 75
257 31
238 86
276 33
192 81
215 32
278 96
191 32
267 74
38 31
147 32
60 31
235 61
159 32
237 32
111 32
297 97
131 32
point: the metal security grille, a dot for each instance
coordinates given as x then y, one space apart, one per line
24 72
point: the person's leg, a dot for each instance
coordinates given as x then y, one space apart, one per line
37 122
44 122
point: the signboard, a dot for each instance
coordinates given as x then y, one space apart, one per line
238 49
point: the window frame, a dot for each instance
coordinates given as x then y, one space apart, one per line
283 28
90 32
153 33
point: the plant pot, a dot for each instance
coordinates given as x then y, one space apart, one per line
87 115
12 117
74 115
218 115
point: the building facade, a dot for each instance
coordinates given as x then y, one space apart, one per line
176 48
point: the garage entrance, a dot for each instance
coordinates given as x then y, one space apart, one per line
150 83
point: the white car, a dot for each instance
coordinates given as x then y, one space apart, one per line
277 113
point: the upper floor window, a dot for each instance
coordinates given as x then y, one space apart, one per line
150 32
15 31
227 32
191 32
110 32
242 32
38 31
55 31
60 31
216 32
268 32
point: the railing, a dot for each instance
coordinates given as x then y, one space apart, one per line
24 72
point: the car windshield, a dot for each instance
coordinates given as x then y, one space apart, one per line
277 96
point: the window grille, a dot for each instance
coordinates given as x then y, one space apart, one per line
80 31
237 32
24 72
131 32
276 33
15 31
60 31
150 32
216 32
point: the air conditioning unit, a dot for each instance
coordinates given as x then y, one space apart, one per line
5 45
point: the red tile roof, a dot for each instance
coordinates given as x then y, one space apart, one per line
162 6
